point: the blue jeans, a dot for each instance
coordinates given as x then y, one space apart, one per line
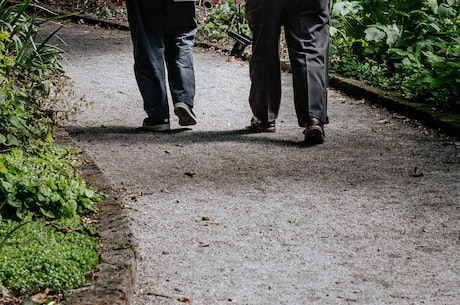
163 35
306 26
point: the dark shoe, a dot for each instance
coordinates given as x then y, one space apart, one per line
157 125
314 132
185 114
259 126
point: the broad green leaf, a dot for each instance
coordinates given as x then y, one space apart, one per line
433 58
15 122
433 4
3 168
70 208
45 190
374 34
89 193
447 11
48 214
7 186
14 202
345 8
393 34
12 140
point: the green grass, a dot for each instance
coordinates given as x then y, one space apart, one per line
36 256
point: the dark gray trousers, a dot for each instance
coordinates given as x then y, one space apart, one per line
163 35
306 26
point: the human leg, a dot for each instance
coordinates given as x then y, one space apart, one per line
307 35
147 21
179 41
265 74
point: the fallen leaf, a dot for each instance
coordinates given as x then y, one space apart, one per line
211 223
4 292
417 172
10 300
231 59
184 300
360 102
42 297
348 299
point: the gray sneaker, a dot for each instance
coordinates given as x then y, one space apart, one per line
156 125
185 114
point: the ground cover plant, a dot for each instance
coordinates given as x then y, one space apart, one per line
39 265
46 243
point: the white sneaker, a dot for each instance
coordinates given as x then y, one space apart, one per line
185 114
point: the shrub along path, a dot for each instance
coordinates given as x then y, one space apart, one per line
221 216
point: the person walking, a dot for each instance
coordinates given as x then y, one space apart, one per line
306 27
163 36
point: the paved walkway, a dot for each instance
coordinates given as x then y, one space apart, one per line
226 217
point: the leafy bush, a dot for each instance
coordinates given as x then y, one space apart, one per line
39 180
32 82
36 257
227 16
42 181
35 176
414 44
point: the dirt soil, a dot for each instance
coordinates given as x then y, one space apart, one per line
221 216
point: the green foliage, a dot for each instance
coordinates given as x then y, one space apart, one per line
31 78
18 122
43 181
410 46
38 179
413 44
227 16
36 257
35 176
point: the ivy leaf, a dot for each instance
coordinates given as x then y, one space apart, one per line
47 213
12 140
8 187
14 202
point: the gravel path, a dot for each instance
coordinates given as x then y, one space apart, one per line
226 217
